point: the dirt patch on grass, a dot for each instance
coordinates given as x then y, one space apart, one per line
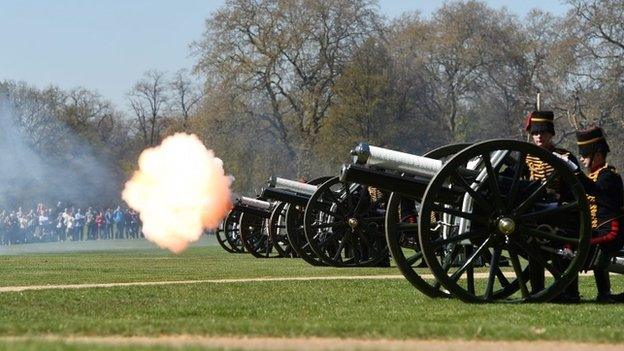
318 344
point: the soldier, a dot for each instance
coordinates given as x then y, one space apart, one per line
605 196
540 124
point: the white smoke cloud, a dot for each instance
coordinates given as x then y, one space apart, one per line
179 189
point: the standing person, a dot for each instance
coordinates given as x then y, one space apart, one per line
541 126
134 224
604 189
60 227
128 224
78 225
90 223
68 218
118 221
108 223
99 223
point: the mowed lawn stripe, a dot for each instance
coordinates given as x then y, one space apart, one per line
204 281
218 281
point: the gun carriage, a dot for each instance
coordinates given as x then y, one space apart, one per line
294 195
245 229
344 220
450 217
465 210
228 237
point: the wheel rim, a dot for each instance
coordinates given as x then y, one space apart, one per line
507 221
221 238
232 232
343 226
255 236
277 231
402 233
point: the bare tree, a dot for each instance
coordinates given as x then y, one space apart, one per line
186 96
148 100
290 53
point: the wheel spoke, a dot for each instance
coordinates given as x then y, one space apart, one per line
513 190
533 197
481 201
332 213
472 234
339 204
471 216
548 235
494 263
515 262
415 257
470 261
448 262
536 257
492 181
347 194
328 225
501 278
549 211
341 247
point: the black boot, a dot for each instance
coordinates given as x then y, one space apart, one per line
603 284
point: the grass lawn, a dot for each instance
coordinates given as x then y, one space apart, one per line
352 308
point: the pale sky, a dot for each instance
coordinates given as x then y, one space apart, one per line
106 45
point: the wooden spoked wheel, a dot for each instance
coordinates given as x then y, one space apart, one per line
221 238
480 201
343 224
295 233
232 233
255 236
402 233
277 230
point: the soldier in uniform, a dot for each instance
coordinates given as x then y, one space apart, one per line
540 125
604 189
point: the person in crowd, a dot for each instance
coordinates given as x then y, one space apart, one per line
118 223
128 225
60 227
13 228
78 225
135 224
90 223
68 218
99 223
108 224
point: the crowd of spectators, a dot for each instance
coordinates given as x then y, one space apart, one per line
59 223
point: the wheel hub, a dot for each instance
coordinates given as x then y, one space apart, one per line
506 225
352 223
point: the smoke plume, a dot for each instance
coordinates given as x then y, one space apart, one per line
43 160
179 189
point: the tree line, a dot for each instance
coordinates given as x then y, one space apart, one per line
287 87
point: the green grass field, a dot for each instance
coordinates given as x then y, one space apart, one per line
389 308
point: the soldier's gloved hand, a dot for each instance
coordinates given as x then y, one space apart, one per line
571 165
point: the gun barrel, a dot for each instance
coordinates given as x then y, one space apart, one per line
286 196
292 185
382 158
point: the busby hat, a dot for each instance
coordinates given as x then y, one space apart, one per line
591 140
540 121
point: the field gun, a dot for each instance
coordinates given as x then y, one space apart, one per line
293 196
467 210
